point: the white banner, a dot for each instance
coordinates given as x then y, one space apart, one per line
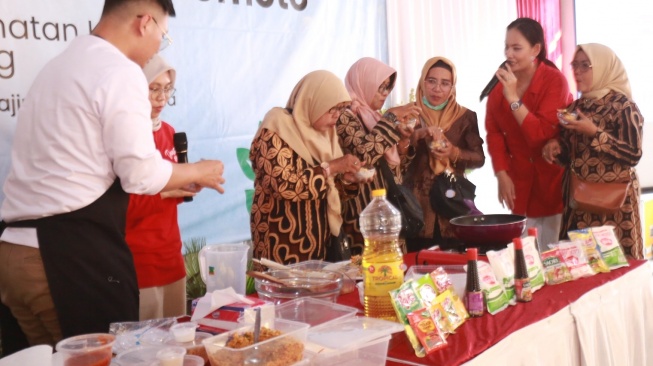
234 59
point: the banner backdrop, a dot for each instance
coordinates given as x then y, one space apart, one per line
234 59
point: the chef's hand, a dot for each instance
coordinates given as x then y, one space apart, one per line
178 193
582 124
506 190
551 150
209 173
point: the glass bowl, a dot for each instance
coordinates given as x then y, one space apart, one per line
321 284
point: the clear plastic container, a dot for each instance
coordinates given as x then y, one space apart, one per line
285 349
383 264
139 356
353 341
313 311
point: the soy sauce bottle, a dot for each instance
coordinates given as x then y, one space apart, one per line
523 290
473 295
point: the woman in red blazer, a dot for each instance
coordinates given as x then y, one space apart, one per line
521 116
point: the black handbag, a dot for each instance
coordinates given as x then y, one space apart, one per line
452 196
338 248
412 216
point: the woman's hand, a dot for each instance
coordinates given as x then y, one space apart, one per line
582 124
404 112
442 149
343 165
509 82
506 190
551 150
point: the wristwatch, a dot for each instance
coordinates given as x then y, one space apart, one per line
515 105
390 117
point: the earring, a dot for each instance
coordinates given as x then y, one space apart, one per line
532 58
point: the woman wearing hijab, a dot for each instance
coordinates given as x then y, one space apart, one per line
151 230
448 140
603 144
369 136
521 117
301 173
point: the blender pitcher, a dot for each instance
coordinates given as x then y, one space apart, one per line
224 265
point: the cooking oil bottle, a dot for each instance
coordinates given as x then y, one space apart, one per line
383 260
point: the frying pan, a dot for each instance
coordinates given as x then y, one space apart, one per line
495 230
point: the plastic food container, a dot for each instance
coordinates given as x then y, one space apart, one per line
138 356
285 349
456 273
322 284
87 349
358 341
313 311
184 332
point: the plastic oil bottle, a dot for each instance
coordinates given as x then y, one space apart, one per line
383 260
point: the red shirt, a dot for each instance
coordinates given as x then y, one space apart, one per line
518 149
152 230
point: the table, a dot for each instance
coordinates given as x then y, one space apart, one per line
599 320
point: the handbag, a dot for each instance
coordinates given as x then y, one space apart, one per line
452 196
338 249
412 216
595 197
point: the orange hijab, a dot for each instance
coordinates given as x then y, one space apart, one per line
443 118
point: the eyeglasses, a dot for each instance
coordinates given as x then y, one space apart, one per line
581 66
433 83
165 38
158 92
385 88
338 109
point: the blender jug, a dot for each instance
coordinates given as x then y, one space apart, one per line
224 265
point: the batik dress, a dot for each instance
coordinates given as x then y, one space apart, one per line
608 156
289 210
368 147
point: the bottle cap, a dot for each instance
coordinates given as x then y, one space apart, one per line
472 254
378 192
517 243
532 231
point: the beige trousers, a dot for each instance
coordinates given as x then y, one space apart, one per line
163 301
24 290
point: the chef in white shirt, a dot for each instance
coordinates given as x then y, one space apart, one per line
83 139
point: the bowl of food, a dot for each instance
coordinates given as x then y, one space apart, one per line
287 284
365 172
87 349
565 116
281 342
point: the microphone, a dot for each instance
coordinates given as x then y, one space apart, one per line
181 147
493 82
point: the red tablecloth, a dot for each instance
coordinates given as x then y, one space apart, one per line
478 334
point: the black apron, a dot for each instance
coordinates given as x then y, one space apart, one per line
89 267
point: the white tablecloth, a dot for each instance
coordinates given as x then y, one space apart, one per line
610 325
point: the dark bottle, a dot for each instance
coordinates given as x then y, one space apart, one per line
473 294
523 290
532 231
